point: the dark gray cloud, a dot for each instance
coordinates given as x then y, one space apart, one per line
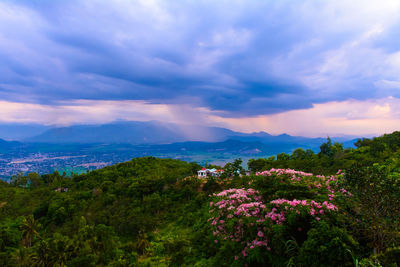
239 58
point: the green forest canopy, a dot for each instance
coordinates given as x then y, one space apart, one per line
156 212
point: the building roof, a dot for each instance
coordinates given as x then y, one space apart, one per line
211 170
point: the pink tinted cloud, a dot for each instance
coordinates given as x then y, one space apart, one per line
353 117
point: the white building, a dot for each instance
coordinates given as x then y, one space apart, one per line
203 173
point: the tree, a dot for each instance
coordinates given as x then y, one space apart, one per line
42 253
234 169
22 257
326 148
29 230
375 202
34 180
256 165
362 142
19 180
61 250
142 243
337 149
298 154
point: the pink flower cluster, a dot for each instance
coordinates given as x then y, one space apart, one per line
278 172
332 185
312 203
276 217
314 208
245 208
241 215
240 194
325 185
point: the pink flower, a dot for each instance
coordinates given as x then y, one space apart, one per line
260 234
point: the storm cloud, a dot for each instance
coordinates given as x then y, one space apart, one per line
235 58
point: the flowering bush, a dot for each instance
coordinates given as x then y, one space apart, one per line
306 185
315 209
239 216
243 217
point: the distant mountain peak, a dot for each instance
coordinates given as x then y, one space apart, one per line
8 144
154 132
135 132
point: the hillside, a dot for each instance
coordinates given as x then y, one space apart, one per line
155 132
131 132
156 212
79 157
8 145
17 131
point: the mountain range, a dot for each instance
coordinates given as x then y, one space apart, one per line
80 147
132 133
154 132
5 145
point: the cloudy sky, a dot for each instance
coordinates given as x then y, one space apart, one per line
301 67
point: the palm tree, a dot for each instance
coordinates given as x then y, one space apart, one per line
22 257
41 257
142 243
61 250
29 230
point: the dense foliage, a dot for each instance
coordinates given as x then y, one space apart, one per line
156 212
332 157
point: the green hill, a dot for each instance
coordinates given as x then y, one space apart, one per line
156 212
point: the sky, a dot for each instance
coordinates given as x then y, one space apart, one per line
311 67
